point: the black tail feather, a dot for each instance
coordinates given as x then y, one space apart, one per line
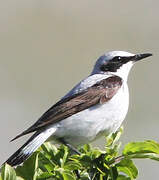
19 156
34 142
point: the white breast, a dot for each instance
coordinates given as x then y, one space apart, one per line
87 125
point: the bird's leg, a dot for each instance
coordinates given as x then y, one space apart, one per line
73 148
69 146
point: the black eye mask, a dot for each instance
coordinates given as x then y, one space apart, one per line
114 64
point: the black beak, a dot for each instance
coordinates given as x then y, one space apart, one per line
138 57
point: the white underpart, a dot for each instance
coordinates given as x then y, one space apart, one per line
124 70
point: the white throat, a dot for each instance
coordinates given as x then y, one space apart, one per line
124 70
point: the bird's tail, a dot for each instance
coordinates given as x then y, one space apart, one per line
35 141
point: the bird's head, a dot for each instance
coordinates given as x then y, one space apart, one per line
117 62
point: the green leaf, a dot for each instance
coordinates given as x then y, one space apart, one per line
146 149
72 165
8 173
152 156
113 138
29 168
19 178
85 160
68 176
116 136
45 163
127 166
113 173
65 156
49 150
148 146
122 177
44 176
95 153
86 148
58 163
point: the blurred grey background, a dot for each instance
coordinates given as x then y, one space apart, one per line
44 42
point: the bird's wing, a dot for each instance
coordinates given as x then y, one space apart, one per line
99 93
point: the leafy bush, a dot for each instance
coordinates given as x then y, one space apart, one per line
51 163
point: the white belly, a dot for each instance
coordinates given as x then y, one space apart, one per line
86 125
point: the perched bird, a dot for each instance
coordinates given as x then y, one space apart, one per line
96 106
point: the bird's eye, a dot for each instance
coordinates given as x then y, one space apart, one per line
117 58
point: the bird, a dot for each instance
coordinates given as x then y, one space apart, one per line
95 107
